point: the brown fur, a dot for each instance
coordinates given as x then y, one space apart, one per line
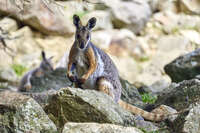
143 113
92 63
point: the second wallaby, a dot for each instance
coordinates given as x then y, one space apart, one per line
94 69
45 67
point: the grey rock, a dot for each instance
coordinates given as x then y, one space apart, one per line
169 48
39 15
52 80
20 113
187 121
8 75
103 19
98 128
41 97
184 67
76 105
180 96
130 14
8 24
191 7
130 94
162 5
192 120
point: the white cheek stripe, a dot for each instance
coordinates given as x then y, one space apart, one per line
87 42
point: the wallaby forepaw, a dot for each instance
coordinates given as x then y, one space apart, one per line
27 87
81 81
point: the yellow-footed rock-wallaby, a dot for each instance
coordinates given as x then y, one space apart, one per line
95 70
45 67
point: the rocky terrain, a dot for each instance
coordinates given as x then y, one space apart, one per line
154 44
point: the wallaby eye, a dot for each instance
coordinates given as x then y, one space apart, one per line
78 36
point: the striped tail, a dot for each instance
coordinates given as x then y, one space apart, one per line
137 111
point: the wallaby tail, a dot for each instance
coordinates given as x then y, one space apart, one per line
137 111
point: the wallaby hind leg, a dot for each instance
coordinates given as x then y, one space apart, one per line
105 86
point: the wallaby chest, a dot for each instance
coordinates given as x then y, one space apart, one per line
82 63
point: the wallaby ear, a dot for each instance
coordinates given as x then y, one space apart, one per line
76 21
91 23
43 55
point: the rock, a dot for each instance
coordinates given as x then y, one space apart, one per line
23 42
169 47
171 22
159 86
188 121
103 19
184 67
127 67
41 97
76 105
162 5
20 113
97 128
39 15
180 96
192 35
25 52
104 38
192 7
62 63
55 46
132 15
53 80
192 123
5 63
69 8
8 24
8 75
130 94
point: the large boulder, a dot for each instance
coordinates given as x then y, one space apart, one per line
180 96
130 14
191 7
53 80
130 94
21 113
103 19
97 128
172 22
184 67
39 15
188 122
77 105
169 47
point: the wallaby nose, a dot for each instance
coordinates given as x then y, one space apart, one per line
82 45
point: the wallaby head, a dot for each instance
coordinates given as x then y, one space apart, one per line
46 63
83 33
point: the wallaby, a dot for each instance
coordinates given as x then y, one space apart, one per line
45 67
95 70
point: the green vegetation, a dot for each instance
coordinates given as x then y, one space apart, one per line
144 131
148 98
144 58
19 69
81 14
